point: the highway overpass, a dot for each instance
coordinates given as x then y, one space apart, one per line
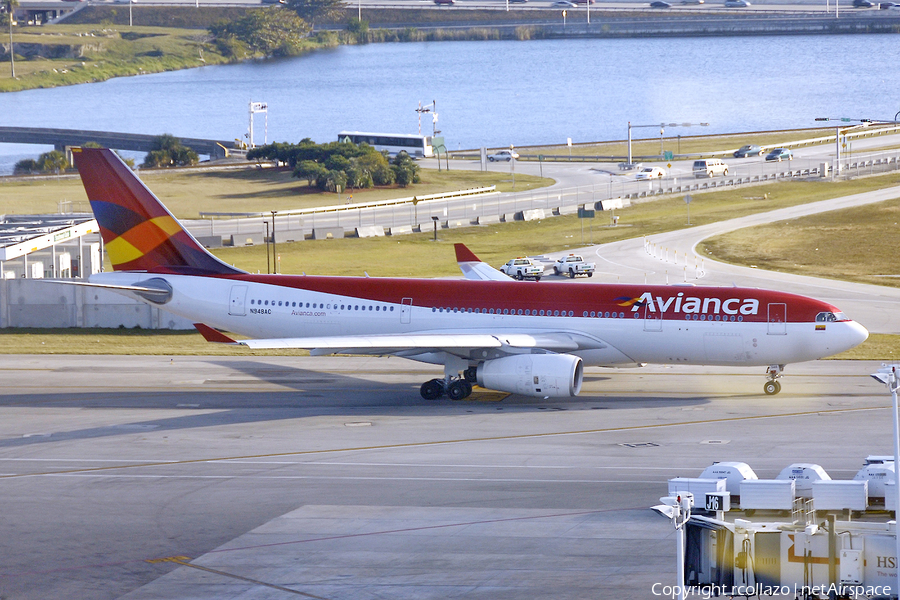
60 139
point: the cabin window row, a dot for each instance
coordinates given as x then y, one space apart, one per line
329 306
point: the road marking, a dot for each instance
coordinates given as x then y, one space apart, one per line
184 561
523 436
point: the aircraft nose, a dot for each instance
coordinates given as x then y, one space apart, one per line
855 334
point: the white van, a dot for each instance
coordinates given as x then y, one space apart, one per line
710 167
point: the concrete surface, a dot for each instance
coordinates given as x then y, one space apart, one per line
331 477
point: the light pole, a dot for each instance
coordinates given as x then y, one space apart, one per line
678 509
662 127
889 376
837 135
274 255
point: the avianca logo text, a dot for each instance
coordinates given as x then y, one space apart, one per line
692 304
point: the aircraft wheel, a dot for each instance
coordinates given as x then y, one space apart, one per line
457 389
468 388
771 388
432 390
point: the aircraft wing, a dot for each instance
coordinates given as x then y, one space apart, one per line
473 268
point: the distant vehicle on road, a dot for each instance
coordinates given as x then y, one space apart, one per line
749 150
736 4
573 265
863 4
417 146
651 173
506 155
523 268
564 4
584 1
709 167
889 6
660 4
780 154
692 1
445 1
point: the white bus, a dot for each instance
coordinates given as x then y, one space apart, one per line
417 146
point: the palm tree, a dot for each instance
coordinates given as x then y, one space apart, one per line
10 4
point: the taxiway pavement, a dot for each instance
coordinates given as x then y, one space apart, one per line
259 477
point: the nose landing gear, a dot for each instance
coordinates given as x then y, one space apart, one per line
772 385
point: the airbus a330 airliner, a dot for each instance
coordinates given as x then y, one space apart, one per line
518 337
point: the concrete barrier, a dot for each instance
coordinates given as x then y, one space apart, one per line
327 233
454 223
210 241
289 235
401 230
534 214
370 231
247 239
566 210
488 219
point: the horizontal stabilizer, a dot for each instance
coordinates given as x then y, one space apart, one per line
156 293
213 335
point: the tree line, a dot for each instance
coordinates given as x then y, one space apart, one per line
335 166
165 151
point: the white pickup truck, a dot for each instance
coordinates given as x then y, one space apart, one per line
573 265
523 268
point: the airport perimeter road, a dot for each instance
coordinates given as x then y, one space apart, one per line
671 258
331 477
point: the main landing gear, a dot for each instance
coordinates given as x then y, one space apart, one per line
456 388
772 386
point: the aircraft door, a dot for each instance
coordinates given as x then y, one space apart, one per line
405 310
652 319
777 323
237 304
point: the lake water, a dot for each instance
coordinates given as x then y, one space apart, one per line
494 93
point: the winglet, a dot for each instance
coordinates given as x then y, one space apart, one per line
473 268
213 335
463 254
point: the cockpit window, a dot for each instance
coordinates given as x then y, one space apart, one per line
826 317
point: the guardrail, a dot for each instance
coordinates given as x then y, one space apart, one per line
358 206
876 130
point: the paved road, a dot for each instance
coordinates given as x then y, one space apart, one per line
331 477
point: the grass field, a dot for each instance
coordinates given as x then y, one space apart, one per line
187 192
858 244
95 53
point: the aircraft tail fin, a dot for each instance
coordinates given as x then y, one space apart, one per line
140 233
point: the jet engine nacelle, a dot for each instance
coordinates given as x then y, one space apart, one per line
539 375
